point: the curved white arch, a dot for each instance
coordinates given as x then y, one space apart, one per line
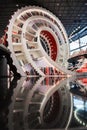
30 19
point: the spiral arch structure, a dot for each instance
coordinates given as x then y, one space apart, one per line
37 38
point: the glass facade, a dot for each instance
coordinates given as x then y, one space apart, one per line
79 44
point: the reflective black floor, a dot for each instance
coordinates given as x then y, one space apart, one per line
43 103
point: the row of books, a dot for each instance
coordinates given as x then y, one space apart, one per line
30 47
36 13
16 39
31 31
28 36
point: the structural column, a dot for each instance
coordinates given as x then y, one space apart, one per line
3 66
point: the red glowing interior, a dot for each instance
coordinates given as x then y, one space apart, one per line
52 42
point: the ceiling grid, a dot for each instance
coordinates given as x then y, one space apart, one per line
72 13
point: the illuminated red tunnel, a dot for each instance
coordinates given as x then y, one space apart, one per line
52 42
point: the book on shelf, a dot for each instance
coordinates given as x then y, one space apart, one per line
18 52
28 36
16 40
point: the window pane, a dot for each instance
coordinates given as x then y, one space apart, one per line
74 51
74 45
83 40
84 48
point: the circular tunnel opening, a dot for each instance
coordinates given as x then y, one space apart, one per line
49 44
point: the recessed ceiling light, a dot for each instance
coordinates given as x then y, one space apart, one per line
85 3
17 5
78 27
57 4
59 14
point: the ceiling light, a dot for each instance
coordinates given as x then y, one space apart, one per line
78 27
59 14
85 3
17 5
57 4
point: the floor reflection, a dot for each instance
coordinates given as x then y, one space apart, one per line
78 88
43 103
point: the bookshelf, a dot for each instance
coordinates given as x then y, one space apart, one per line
34 33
